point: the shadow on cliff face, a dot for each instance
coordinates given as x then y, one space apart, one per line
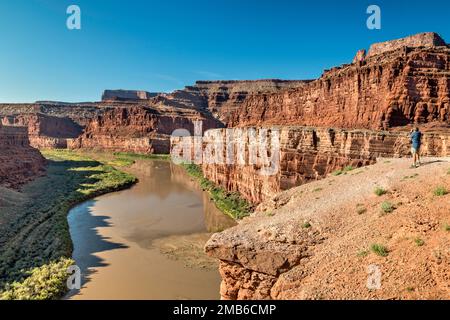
87 240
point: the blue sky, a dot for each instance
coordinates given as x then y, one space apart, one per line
165 45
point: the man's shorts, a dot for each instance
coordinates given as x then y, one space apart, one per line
415 150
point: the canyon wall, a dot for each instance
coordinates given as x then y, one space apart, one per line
308 154
46 131
19 162
391 89
426 39
138 129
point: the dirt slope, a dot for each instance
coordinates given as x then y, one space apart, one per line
314 241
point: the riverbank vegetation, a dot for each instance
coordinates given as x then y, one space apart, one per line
230 203
35 243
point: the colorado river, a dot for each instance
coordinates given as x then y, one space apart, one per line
147 242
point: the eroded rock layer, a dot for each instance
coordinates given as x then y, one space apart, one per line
46 131
19 162
308 154
139 129
391 89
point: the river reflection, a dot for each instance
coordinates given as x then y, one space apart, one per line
115 235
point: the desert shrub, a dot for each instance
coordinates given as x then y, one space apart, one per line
387 207
419 242
379 191
306 225
379 250
43 283
440 191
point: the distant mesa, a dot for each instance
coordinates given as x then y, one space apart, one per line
425 39
127 95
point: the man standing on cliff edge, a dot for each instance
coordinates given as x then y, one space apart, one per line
416 141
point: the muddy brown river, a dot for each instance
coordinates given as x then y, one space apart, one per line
147 242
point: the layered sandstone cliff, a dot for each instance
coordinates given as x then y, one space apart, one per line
126 95
139 129
19 162
307 154
46 131
381 91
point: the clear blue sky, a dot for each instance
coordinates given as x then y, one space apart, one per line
165 45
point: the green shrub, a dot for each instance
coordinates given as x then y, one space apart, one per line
447 227
419 242
387 207
379 250
440 191
306 225
337 172
348 168
47 282
380 191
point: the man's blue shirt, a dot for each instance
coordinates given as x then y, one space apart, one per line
416 138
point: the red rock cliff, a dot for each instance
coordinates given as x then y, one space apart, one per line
395 88
19 162
139 129
308 154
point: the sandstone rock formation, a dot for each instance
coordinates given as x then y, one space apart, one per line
19 162
314 241
308 154
138 129
126 95
46 131
426 39
391 89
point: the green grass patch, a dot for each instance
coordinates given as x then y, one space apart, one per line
317 189
387 207
230 203
379 250
419 242
447 227
34 233
379 191
348 168
440 191
306 225
128 155
345 170
43 283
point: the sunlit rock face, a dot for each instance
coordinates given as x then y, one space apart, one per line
386 89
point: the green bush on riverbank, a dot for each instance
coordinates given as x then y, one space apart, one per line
35 243
230 203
